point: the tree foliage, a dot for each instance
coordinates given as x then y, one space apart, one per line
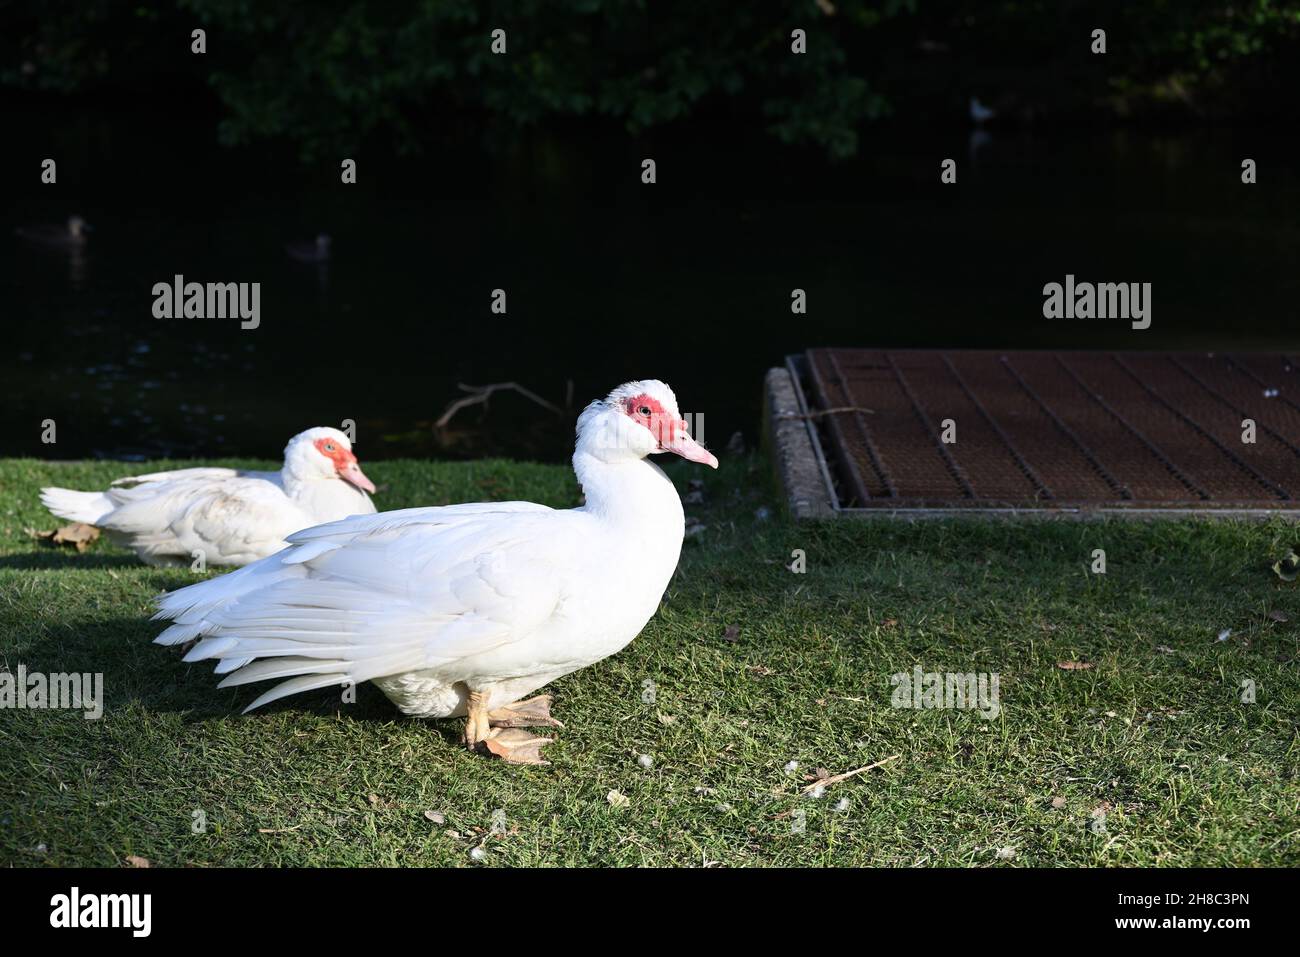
328 74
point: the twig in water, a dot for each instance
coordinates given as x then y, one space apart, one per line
479 395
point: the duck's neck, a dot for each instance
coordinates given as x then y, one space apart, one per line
293 484
629 492
325 500
306 490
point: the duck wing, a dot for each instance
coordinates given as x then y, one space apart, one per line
232 519
377 595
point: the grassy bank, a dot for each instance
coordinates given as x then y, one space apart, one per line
1143 755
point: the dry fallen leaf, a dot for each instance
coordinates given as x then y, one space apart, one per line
889 623
1287 568
78 534
666 718
1058 802
435 817
1278 616
617 799
137 861
1074 665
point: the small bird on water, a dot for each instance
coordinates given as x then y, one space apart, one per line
72 234
310 252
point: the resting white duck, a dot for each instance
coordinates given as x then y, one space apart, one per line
231 517
463 609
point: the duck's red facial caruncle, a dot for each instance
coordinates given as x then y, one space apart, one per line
345 463
671 432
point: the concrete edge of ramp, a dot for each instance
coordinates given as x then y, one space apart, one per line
797 464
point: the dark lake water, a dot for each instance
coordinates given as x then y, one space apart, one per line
607 279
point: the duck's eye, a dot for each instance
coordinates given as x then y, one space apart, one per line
644 410
329 446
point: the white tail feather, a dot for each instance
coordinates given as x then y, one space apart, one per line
210 648
296 686
179 634
281 668
88 507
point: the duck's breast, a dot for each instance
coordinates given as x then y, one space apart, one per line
329 500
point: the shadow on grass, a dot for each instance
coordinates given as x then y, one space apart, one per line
54 558
166 581
206 702
371 707
153 677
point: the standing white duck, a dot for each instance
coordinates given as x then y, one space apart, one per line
231 517
464 609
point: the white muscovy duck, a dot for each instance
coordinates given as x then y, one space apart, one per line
232 517
463 609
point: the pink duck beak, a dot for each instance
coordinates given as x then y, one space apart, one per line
681 443
351 472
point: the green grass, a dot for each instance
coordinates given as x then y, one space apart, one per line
1154 734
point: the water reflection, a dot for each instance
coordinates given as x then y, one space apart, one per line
607 280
